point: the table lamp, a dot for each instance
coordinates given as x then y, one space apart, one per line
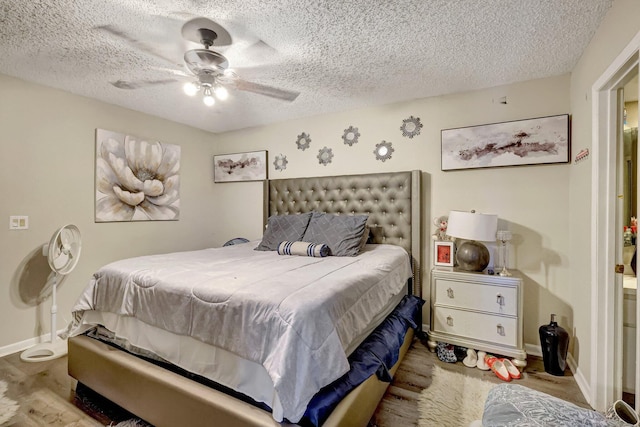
474 228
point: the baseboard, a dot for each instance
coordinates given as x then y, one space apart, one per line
23 345
533 350
582 382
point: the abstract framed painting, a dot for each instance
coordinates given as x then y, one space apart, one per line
136 179
542 140
250 166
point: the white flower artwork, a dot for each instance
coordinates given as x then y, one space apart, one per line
136 179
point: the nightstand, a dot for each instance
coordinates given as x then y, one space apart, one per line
479 311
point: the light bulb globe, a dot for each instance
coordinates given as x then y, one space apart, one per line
221 92
209 100
190 88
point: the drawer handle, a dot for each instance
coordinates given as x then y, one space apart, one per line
449 320
450 293
500 299
500 329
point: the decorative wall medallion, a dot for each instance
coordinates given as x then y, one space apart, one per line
303 141
350 136
280 162
383 151
411 127
325 155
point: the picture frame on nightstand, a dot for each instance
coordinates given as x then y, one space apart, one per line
443 254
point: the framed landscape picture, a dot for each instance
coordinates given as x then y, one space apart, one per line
522 142
251 166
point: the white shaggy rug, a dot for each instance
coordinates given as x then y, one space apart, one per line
452 399
8 408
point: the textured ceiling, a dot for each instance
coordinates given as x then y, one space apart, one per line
338 54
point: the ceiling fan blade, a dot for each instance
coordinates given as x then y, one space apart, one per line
124 84
285 95
175 72
133 42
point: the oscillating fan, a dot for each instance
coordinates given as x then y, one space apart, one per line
62 252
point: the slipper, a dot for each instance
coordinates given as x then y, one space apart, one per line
471 360
500 370
511 368
490 359
482 365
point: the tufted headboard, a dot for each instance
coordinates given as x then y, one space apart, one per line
391 199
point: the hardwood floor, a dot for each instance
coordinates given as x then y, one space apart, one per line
46 393
399 406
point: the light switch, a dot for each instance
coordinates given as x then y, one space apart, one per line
18 222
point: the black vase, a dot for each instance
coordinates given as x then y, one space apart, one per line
555 343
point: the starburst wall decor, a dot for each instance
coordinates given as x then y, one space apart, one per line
350 136
411 127
280 163
303 141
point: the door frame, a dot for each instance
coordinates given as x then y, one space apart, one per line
606 357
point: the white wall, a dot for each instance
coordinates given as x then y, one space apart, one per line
620 25
48 155
531 201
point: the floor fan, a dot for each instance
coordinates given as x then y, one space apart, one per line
62 252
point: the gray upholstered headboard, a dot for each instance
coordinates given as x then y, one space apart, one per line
392 201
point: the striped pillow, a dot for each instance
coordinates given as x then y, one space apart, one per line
303 249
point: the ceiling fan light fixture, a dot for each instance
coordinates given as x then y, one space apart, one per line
221 92
191 88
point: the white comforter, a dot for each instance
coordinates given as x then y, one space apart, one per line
294 315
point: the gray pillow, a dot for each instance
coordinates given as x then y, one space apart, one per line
282 228
342 233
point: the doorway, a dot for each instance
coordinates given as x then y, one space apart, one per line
628 146
608 220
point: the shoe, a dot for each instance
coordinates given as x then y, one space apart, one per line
471 360
500 370
511 368
490 359
481 364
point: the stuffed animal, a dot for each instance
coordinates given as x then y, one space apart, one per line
441 223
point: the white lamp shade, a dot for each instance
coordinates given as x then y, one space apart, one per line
472 226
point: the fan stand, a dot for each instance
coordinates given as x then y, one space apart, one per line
54 348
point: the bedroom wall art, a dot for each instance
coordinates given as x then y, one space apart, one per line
411 127
280 163
541 140
303 141
383 151
325 155
350 136
136 180
250 166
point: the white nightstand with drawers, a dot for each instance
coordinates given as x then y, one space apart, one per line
479 311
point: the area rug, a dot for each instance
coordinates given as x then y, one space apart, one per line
452 399
8 407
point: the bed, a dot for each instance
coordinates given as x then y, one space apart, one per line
391 202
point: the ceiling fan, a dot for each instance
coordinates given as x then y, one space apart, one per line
209 70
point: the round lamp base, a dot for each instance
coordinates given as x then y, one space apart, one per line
472 256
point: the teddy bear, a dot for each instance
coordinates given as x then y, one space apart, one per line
441 223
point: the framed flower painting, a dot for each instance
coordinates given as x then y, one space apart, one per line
136 179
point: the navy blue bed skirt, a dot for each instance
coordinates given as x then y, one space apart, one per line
377 354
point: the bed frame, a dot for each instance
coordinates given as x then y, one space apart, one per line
163 398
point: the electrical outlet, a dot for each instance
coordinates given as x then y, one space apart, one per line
18 222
